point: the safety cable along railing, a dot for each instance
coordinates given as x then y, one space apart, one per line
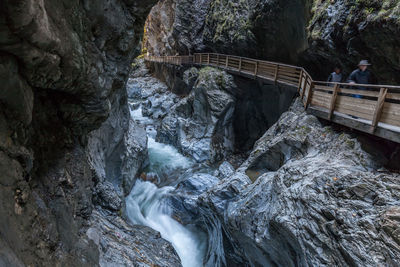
373 109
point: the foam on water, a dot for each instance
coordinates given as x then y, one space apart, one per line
166 156
145 206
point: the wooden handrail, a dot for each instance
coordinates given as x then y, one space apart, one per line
370 108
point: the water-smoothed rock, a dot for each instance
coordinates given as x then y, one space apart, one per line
200 125
118 149
121 244
151 94
317 199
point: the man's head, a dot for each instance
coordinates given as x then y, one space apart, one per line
363 65
338 69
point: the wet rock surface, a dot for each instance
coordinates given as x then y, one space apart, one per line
317 199
343 32
63 67
121 244
200 125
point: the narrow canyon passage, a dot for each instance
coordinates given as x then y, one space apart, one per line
148 205
170 181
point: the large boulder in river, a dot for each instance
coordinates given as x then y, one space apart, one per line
315 199
200 125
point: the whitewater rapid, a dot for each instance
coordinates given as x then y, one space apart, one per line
147 204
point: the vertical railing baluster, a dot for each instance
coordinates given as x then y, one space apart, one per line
333 101
378 109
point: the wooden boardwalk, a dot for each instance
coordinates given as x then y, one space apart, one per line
376 112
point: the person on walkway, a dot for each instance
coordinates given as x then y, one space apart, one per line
361 76
336 76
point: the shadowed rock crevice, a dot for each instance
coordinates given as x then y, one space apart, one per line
258 106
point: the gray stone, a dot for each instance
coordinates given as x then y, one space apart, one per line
225 170
107 196
200 125
314 34
122 244
63 74
315 206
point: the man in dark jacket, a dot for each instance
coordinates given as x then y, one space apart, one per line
361 76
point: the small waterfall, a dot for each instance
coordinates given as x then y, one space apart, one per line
165 158
146 206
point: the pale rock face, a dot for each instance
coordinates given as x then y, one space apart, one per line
317 199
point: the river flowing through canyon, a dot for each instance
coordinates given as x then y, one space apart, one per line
148 204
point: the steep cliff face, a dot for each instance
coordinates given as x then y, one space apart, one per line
176 26
316 34
274 28
343 32
63 68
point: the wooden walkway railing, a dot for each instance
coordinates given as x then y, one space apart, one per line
374 109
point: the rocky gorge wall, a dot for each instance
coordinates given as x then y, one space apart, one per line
256 105
312 33
310 196
63 68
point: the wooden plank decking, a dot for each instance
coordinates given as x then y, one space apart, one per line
374 109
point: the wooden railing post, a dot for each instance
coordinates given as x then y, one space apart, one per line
227 62
333 101
256 69
201 59
208 59
276 73
304 87
300 81
217 59
378 109
240 64
309 96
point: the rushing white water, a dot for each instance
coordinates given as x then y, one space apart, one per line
165 156
145 206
